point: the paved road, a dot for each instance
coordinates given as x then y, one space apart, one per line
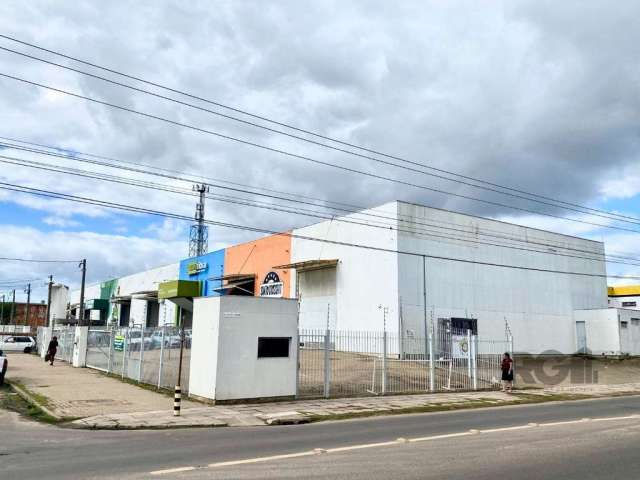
28 450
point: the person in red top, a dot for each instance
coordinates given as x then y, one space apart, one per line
507 373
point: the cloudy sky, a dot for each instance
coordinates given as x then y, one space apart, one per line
542 96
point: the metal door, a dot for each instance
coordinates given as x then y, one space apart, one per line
581 337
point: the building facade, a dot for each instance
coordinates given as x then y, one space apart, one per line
400 267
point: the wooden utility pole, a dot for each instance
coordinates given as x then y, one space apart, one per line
13 307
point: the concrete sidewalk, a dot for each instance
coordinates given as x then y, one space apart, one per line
82 392
98 401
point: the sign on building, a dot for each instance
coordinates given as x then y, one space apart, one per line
195 268
271 286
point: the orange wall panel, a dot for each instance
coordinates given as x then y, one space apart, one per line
259 257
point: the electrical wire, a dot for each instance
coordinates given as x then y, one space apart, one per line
307 158
412 222
235 200
286 125
160 213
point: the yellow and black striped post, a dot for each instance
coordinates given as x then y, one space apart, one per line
177 395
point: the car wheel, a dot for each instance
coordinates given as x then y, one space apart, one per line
27 350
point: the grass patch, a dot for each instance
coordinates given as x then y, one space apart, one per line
40 399
9 400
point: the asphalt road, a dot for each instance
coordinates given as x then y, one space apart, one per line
29 450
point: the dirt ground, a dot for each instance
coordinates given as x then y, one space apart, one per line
354 374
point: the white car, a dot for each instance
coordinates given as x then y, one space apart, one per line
17 343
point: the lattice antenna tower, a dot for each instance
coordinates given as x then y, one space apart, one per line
199 232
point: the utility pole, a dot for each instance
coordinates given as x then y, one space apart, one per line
199 233
83 266
49 301
28 292
2 311
13 307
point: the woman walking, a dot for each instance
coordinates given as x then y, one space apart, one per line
52 349
507 373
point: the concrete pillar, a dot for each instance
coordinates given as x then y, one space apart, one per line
80 347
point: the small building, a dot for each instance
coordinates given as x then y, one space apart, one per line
608 331
627 296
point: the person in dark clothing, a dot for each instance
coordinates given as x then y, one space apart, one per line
507 373
52 349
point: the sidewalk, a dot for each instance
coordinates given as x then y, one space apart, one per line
97 401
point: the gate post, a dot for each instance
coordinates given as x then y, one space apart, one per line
384 362
110 360
432 366
469 357
327 365
474 345
513 360
124 350
141 356
164 327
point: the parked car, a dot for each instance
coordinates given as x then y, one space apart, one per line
17 343
135 340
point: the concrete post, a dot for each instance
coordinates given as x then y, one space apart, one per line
141 357
513 359
124 351
384 362
110 358
327 364
474 357
432 365
80 336
164 327
469 357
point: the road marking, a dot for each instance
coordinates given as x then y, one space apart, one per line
398 441
506 429
262 459
440 437
360 447
606 419
172 470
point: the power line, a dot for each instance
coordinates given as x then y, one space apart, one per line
156 186
298 209
294 128
36 261
313 160
609 215
120 206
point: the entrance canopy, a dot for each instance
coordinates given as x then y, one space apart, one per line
308 265
180 292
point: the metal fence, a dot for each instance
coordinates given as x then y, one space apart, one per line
346 363
146 355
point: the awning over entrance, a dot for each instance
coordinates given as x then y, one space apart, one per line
180 292
308 265
121 299
97 304
237 278
145 295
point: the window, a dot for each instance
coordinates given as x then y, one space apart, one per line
270 347
624 324
628 304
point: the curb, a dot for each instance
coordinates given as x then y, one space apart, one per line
29 399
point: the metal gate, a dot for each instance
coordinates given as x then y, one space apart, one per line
66 338
100 349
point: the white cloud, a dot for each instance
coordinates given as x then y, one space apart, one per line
61 222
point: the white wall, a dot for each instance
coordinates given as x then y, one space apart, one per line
224 349
59 300
365 278
603 333
538 305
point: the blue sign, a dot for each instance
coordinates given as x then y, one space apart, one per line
203 269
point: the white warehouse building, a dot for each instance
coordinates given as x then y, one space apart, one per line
420 265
